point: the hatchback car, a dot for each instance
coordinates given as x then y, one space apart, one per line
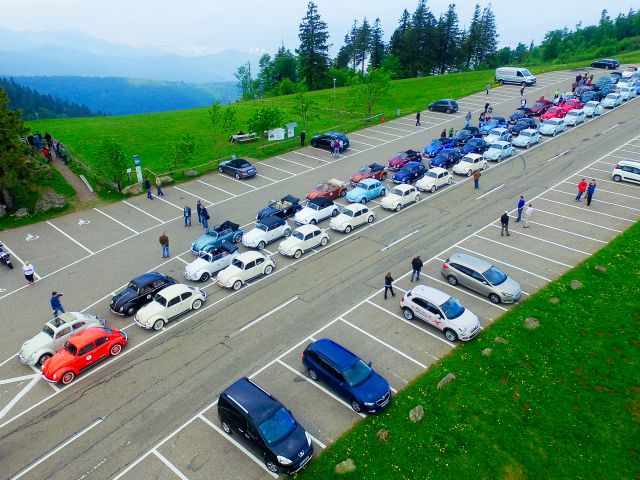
626 170
481 277
352 216
139 292
627 93
575 117
238 167
593 108
266 425
526 138
81 351
400 197
266 231
523 124
440 310
324 140
245 267
208 264
552 126
446 105
347 375
367 189
434 178
169 303
316 210
475 145
469 164
303 239
411 172
499 151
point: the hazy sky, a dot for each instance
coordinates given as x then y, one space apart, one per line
201 26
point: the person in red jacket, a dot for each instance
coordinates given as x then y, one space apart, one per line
582 186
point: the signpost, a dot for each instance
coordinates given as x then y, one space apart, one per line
291 129
136 161
276 134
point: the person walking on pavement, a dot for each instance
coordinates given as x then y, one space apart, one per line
418 119
522 91
164 241
591 189
527 215
388 285
582 186
186 213
199 208
205 217
521 204
416 265
158 185
56 305
467 119
29 272
487 87
476 179
147 185
303 137
504 222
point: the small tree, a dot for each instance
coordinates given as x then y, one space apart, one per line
114 163
229 120
304 105
216 117
365 90
181 151
265 118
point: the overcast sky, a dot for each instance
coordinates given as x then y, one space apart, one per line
201 26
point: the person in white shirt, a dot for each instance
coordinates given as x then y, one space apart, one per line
527 215
29 272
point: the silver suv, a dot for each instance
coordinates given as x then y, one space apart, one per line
482 277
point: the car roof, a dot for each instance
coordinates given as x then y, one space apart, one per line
530 130
473 155
369 181
271 221
291 198
66 317
88 335
432 294
469 261
239 160
355 207
321 201
500 142
148 277
253 399
412 164
630 163
340 356
306 229
249 256
403 187
174 289
438 170
574 110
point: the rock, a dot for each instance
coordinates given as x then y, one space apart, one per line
487 351
166 179
599 268
21 212
383 435
501 340
191 173
132 189
48 201
416 414
575 284
531 323
3 211
448 378
346 466
554 300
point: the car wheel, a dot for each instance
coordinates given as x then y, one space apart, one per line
383 177
553 134
237 175
158 325
271 466
205 276
433 189
237 238
297 254
312 374
431 109
522 84
356 407
408 313
287 233
115 350
370 219
407 181
617 178
343 193
363 200
324 241
67 378
526 145
226 428
313 221
383 192
43 358
452 280
220 169
314 144
500 82
196 304
416 198
268 269
469 172
448 110
398 207
237 284
347 229
131 311
494 298
450 335
261 245
334 213
449 181
484 166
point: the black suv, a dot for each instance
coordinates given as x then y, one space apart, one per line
607 63
265 425
139 292
446 105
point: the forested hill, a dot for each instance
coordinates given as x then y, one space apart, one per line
35 105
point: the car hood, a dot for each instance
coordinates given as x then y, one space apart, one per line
315 194
123 297
289 243
510 287
467 148
34 344
228 273
197 265
266 212
520 140
305 213
467 320
492 153
356 177
397 162
340 220
149 310
429 149
373 388
390 199
425 181
291 446
491 138
547 127
516 116
57 362
438 162
356 193
253 235
401 175
203 241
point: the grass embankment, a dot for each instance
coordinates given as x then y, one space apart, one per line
561 401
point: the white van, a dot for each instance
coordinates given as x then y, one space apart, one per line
517 75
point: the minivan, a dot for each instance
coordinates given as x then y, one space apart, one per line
627 170
517 75
265 425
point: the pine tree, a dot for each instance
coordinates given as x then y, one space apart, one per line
488 44
313 51
362 44
377 48
472 40
399 44
423 38
448 34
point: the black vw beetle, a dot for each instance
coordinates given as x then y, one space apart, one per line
139 292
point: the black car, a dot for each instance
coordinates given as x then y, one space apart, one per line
445 105
446 158
523 124
139 292
324 140
466 134
263 423
608 63
475 145
286 207
238 167
522 112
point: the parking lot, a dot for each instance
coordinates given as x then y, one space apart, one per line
84 244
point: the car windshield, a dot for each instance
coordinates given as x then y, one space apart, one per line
493 121
611 96
452 308
347 212
398 192
432 174
496 146
526 73
591 104
71 348
525 134
48 330
278 426
261 226
494 276
572 114
538 104
313 206
133 287
403 155
365 170
212 233
160 299
554 121
297 235
357 373
237 263
467 159
495 132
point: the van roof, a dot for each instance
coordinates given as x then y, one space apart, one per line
252 398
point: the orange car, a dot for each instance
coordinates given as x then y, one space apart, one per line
328 189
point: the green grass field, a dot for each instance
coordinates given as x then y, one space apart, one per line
561 401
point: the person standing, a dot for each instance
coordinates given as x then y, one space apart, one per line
443 133
416 265
582 186
476 179
164 242
56 305
467 119
504 222
340 148
199 208
186 213
451 132
205 217
521 204
487 106
556 94
591 189
523 102
418 119
487 87
522 91
333 147
64 153
147 185
158 185
29 272
388 285
527 215
303 137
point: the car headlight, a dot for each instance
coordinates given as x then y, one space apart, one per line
462 329
284 460
506 294
369 404
121 309
308 437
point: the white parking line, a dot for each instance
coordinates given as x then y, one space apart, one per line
171 466
569 232
395 128
291 161
628 151
227 177
607 203
523 251
594 168
362 143
590 210
466 292
504 263
23 264
116 220
167 202
491 191
320 444
70 237
576 220
216 188
270 312
266 164
146 213
311 156
399 240
264 176
367 136
194 195
622 158
31 376
518 232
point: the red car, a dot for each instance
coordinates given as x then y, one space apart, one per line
540 106
571 104
554 112
82 351
402 158
371 171
328 189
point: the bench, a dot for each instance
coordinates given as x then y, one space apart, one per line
244 138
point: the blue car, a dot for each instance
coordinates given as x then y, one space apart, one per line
475 145
636 85
446 158
284 208
439 144
227 232
486 127
411 172
466 134
523 124
366 190
347 375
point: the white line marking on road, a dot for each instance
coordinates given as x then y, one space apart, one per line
569 232
232 195
505 263
264 176
19 379
199 197
116 220
320 444
156 197
518 232
399 240
171 466
361 143
607 203
367 136
576 220
559 155
629 151
490 191
311 156
611 127
70 237
270 312
466 292
524 251
146 213
291 161
621 158
590 210
21 261
244 183
394 128
265 164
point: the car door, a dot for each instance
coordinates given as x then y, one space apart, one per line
102 348
358 217
185 301
173 307
419 307
321 367
249 270
478 283
436 318
271 233
61 336
86 356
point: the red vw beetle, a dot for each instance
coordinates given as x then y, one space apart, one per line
82 351
554 112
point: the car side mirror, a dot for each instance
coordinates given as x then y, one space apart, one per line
370 363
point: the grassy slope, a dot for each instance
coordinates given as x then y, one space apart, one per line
561 401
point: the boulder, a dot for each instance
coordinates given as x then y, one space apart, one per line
48 201
3 211
21 212
416 414
448 378
501 340
346 466
575 284
531 323
600 268
166 179
191 173
487 351
133 189
383 435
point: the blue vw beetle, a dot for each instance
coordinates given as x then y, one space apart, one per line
411 172
366 190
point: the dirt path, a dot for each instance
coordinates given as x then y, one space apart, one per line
84 196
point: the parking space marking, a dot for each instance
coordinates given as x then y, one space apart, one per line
351 149
523 251
21 261
146 213
491 191
270 312
395 128
26 389
591 211
320 444
311 156
232 195
569 232
504 263
576 220
622 158
70 237
264 176
466 292
291 161
171 466
266 164
607 203
199 197
399 240
167 202
362 143
19 379
116 220
227 177
367 136
594 168
628 151
518 232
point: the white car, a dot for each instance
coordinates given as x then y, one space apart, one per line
244 267
574 117
612 100
302 239
470 163
352 216
169 303
629 72
526 138
552 126
593 108
435 178
208 264
267 230
399 197
316 210
440 310
54 334
626 92
498 151
499 133
627 170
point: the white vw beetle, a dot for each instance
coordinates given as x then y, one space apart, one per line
400 197
498 151
302 239
244 267
207 264
574 117
526 138
316 210
352 216
169 303
593 108
470 163
552 126
435 178
267 230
